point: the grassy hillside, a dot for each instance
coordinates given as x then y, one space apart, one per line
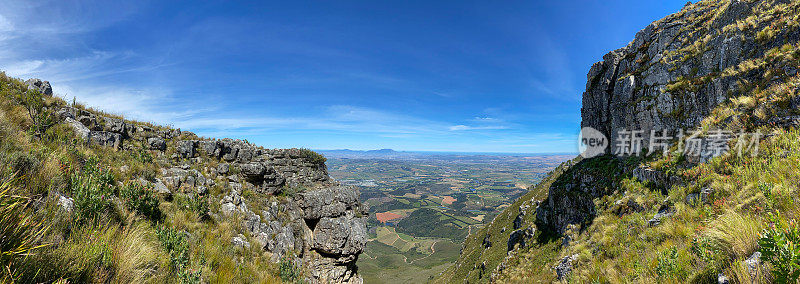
477 261
722 214
114 229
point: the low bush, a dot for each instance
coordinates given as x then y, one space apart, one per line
195 203
92 190
780 246
175 243
141 199
288 271
312 156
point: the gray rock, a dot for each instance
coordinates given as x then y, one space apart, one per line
90 121
80 130
66 203
722 279
564 267
753 263
66 112
340 236
115 125
227 209
157 143
107 139
161 188
253 171
692 198
665 211
43 87
626 207
705 194
519 237
487 242
186 148
223 169
327 202
518 221
240 241
210 148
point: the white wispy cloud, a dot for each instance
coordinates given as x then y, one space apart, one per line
462 127
51 44
334 118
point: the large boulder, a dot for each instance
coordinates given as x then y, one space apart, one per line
115 125
340 236
253 171
520 237
210 147
157 143
107 139
327 202
80 130
186 148
42 87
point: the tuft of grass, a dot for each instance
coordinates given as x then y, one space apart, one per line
735 234
20 232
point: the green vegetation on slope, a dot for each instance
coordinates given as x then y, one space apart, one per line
722 212
115 231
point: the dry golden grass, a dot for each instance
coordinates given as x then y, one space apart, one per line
136 254
736 234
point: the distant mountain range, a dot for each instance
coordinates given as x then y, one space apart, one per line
390 153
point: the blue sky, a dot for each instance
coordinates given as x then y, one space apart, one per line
465 76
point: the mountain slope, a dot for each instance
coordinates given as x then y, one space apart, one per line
715 65
104 199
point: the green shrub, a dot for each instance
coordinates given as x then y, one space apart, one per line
706 251
288 271
141 199
175 243
41 118
23 164
195 203
312 156
291 191
669 266
92 190
780 246
142 156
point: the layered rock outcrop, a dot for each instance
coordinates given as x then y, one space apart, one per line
295 210
679 68
672 75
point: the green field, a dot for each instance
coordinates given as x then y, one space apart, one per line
428 236
381 263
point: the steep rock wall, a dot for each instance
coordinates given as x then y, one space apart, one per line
679 68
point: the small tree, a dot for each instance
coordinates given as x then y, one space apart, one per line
41 118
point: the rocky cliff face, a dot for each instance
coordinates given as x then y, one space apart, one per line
294 209
684 72
679 68
673 74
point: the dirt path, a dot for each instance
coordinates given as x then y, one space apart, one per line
433 250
